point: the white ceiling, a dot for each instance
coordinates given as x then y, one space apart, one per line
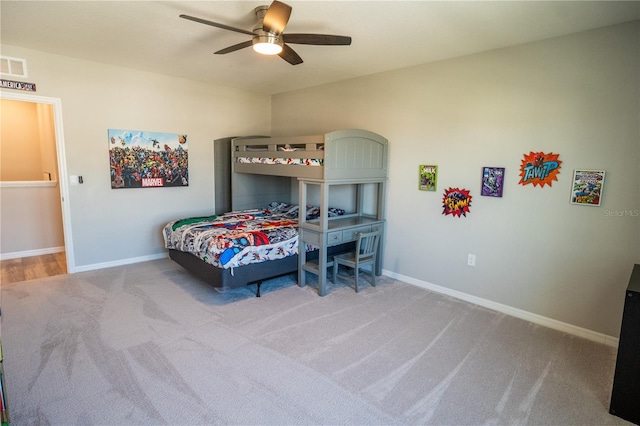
148 35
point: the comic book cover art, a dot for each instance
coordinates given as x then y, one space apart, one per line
428 178
586 188
538 168
492 181
147 159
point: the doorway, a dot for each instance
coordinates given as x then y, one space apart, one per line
62 183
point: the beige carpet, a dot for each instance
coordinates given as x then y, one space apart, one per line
149 344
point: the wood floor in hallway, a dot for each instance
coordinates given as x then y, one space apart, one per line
29 268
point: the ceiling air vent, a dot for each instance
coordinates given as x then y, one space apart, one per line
13 67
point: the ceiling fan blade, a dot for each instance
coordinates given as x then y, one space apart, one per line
317 39
234 47
276 17
216 24
289 55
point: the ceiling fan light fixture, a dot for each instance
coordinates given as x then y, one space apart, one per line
268 37
267 44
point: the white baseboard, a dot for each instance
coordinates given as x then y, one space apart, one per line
29 253
514 312
120 262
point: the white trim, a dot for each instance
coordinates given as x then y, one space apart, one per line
28 183
62 165
29 253
121 262
514 312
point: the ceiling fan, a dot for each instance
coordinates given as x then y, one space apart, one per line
268 38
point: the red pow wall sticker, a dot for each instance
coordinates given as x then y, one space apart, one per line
539 168
456 202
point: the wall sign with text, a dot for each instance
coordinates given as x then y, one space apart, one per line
17 85
456 202
539 168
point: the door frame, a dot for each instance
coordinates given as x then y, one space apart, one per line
63 179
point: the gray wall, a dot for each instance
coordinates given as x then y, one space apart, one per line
577 96
115 225
30 219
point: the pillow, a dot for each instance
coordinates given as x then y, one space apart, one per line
291 210
313 212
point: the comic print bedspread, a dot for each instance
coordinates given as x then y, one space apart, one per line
282 161
242 237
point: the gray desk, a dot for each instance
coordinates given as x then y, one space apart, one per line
327 232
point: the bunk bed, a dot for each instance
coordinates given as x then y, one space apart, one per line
343 154
265 167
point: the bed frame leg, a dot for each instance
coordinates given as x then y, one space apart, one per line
258 290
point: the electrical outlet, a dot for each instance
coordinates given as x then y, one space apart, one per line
471 260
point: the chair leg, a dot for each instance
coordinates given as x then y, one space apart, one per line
335 271
373 276
357 273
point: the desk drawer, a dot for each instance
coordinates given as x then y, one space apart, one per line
334 238
350 234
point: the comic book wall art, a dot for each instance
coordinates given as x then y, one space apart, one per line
492 181
539 168
147 159
586 187
456 202
428 178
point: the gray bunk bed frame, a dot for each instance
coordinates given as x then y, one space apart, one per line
351 155
346 154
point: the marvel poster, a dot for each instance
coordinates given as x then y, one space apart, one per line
428 178
492 181
587 187
141 159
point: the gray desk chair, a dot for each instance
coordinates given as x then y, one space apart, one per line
365 254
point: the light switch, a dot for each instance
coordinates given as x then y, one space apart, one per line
73 180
